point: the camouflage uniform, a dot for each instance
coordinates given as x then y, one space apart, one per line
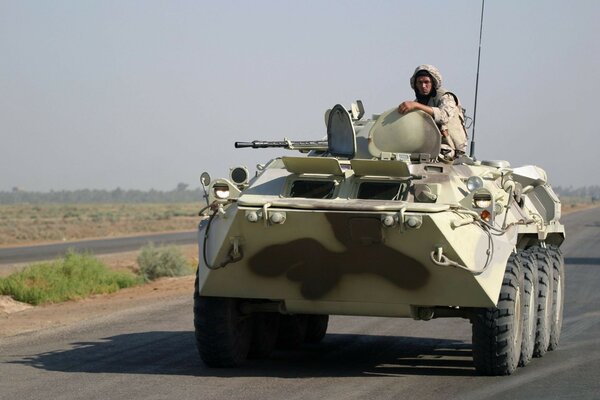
447 111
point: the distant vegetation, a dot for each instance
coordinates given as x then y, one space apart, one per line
156 262
33 217
591 193
181 194
77 276
574 196
31 223
73 277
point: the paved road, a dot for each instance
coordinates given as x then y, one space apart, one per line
24 254
149 353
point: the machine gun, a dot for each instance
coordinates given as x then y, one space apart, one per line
341 137
321 145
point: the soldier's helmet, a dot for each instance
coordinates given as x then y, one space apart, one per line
433 72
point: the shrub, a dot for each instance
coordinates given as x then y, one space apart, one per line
72 277
156 262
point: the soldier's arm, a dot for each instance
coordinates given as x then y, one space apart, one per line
408 106
446 110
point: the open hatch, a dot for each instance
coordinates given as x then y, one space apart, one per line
341 137
414 133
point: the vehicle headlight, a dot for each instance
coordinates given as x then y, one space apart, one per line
221 191
474 183
482 200
239 175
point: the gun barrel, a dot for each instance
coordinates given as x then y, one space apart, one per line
259 144
293 145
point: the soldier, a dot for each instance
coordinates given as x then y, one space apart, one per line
441 104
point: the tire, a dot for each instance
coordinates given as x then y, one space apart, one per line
530 290
558 290
223 333
497 331
316 328
292 331
264 334
544 301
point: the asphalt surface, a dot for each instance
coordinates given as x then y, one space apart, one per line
24 254
149 353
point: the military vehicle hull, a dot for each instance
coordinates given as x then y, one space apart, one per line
380 233
348 262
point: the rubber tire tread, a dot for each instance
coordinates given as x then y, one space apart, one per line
221 342
530 286
494 350
558 278
292 331
316 328
544 314
264 334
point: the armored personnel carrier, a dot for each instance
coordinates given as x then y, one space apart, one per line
374 222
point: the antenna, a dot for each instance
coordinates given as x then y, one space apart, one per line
472 153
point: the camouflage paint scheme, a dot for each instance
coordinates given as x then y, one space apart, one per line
345 255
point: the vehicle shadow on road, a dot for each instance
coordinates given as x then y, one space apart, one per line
338 355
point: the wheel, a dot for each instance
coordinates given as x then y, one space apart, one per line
223 333
316 328
558 289
530 289
264 334
292 331
497 331
544 301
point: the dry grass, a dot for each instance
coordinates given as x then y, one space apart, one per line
25 223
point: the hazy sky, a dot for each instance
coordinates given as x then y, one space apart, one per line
147 94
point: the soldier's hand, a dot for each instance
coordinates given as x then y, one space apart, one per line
407 106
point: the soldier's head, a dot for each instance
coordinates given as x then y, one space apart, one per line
426 80
423 83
